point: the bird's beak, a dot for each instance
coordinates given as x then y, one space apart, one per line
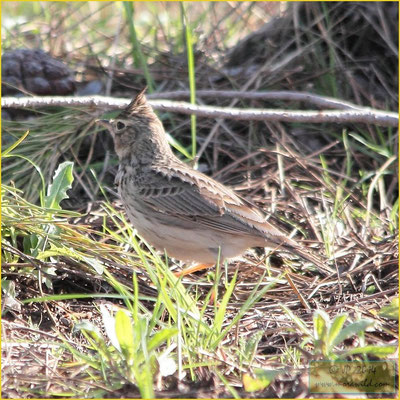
105 122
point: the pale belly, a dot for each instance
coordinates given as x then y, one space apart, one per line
192 243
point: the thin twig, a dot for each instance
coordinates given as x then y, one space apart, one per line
371 189
366 115
286 95
299 295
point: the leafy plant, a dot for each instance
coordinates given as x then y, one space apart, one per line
328 335
130 352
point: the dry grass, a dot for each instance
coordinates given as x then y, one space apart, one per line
335 187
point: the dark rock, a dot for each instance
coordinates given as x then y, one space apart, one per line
36 72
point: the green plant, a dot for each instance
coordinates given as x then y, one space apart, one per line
131 350
327 336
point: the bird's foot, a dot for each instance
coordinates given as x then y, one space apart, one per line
194 268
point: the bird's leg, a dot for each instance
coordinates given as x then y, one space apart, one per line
194 268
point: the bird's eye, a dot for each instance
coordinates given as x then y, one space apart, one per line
120 125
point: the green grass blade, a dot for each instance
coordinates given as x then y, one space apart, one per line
353 329
191 71
300 324
138 56
39 171
220 315
378 351
335 329
126 338
15 144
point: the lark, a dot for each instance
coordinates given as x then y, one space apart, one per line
178 209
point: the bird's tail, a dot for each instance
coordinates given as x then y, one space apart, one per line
290 246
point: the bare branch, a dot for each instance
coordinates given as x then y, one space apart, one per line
286 95
363 115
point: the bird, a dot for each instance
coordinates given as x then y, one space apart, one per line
180 210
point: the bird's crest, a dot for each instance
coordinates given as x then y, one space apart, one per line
139 104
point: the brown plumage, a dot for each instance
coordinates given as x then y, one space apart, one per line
181 210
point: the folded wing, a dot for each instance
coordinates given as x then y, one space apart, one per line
196 197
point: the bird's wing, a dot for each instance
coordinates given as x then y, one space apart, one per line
191 195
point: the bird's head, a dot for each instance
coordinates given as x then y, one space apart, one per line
137 131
